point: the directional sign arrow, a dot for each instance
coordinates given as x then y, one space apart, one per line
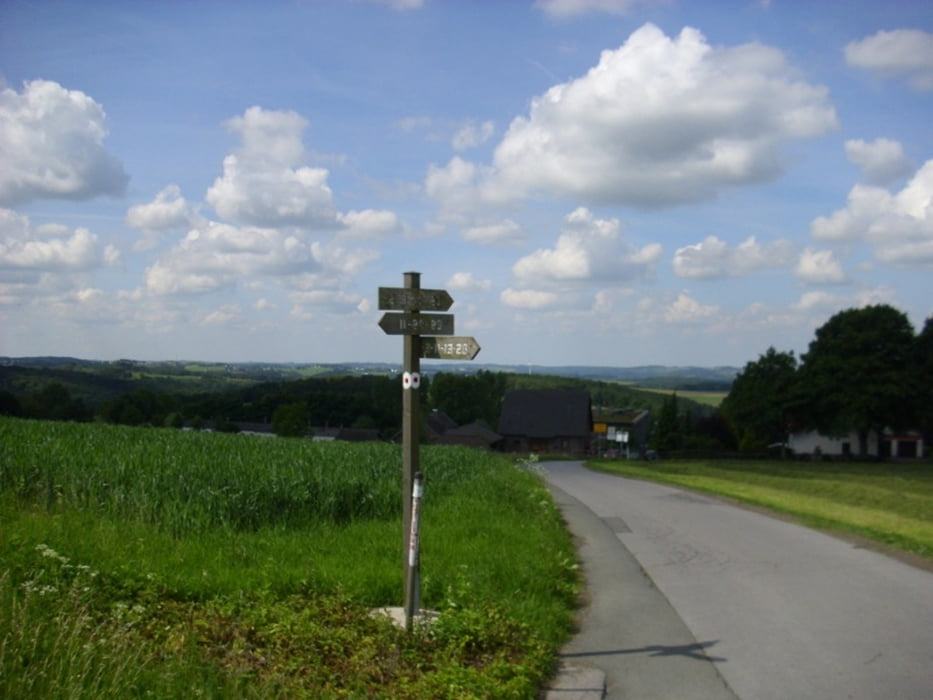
417 324
403 299
449 348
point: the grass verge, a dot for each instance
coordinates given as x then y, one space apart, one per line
887 502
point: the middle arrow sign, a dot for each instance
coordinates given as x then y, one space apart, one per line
417 324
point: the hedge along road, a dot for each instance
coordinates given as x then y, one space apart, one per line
782 611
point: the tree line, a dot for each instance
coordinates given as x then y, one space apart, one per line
865 371
370 402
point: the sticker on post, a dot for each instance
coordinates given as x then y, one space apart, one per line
411 380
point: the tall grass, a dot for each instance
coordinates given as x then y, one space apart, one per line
194 482
190 532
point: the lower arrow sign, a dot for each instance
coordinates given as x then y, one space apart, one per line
449 348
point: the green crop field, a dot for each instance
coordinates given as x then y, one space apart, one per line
165 563
888 502
707 398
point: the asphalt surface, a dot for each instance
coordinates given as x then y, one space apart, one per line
690 597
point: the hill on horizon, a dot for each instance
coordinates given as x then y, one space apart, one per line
655 373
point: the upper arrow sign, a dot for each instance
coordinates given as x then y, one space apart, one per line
402 299
449 348
417 324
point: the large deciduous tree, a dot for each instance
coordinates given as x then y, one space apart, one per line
760 403
668 429
291 419
924 359
469 398
859 374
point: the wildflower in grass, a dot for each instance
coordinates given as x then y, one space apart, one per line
50 553
35 588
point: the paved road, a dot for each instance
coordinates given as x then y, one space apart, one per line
781 610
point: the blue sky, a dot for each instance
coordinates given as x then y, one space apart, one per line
596 182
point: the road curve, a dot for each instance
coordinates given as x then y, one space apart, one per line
786 611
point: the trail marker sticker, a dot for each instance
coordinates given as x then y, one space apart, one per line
411 380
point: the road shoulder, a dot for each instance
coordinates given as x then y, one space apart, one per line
628 630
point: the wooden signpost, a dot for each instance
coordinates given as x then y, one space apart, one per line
412 325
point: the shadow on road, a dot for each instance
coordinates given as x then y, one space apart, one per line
697 650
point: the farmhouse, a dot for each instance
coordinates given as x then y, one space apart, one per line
546 420
904 445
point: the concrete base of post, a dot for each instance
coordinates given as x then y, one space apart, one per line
397 615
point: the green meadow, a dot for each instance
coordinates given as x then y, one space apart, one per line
707 398
155 562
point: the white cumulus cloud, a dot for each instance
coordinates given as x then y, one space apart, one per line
26 252
686 309
659 121
819 267
369 224
334 301
264 182
563 9
52 146
818 300
218 255
528 298
503 233
471 135
401 5
901 53
468 282
713 258
454 186
882 160
588 249
168 211
222 316
899 226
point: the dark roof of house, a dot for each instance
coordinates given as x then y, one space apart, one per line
347 434
546 413
256 428
439 422
626 416
476 431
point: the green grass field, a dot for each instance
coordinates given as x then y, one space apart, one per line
888 502
153 562
707 398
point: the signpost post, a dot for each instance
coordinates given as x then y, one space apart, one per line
412 325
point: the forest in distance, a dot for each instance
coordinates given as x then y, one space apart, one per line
223 395
208 373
